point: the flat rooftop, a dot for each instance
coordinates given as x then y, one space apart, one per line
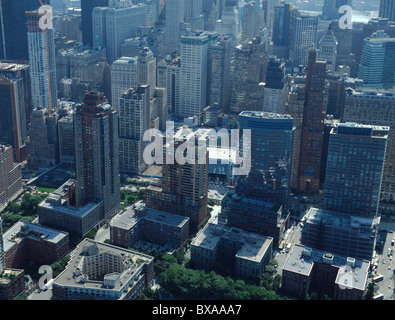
131 264
130 218
254 246
352 273
22 230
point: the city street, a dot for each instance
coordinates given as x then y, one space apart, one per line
385 267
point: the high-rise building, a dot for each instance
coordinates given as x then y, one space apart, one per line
10 177
97 153
358 108
86 19
114 24
354 169
283 15
348 222
174 20
387 9
193 74
123 77
42 149
294 107
252 20
276 88
270 176
134 120
66 140
193 14
377 68
219 84
303 37
229 24
248 75
330 11
183 189
314 112
2 258
13 116
269 8
13 29
327 50
42 61
146 69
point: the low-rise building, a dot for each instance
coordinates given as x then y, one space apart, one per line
243 253
26 241
308 270
340 233
141 223
99 271
12 283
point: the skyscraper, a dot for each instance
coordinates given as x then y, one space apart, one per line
271 156
122 21
10 177
330 11
193 74
42 63
86 19
134 120
327 50
97 154
377 68
358 108
248 75
13 126
183 189
174 19
387 9
276 89
314 112
303 37
354 169
13 28
252 20
42 146
123 77
193 14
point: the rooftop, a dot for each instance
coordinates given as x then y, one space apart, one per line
352 272
131 217
22 230
253 248
128 263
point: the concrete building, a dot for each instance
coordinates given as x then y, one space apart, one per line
315 105
97 154
10 177
13 124
193 74
134 120
141 223
42 149
123 77
173 25
248 76
66 140
327 50
354 168
276 88
303 37
377 67
121 20
387 9
42 61
87 7
244 254
358 108
98 271
308 270
26 242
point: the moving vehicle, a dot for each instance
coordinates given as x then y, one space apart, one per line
378 278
